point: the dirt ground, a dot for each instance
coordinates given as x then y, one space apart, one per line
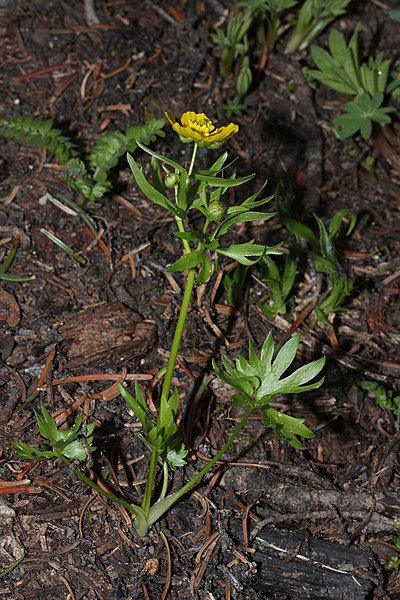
272 522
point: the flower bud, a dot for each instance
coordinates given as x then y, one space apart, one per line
171 180
216 211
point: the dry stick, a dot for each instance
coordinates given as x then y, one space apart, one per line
53 487
169 568
104 377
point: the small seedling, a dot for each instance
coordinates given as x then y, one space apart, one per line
370 83
65 444
265 21
385 398
7 262
91 178
267 17
233 48
321 251
314 17
232 44
279 285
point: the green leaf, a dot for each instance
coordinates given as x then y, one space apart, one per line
182 196
188 261
190 236
337 220
289 274
138 405
178 168
347 125
296 227
175 457
151 192
41 132
325 242
341 289
259 380
74 451
64 442
366 129
46 423
156 178
30 453
244 253
222 182
245 217
205 271
286 427
337 47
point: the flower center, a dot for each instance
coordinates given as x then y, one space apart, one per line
203 126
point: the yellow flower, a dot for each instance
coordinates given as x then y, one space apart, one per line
196 127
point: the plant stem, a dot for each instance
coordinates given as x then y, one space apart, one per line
184 306
216 458
165 481
13 566
163 505
100 490
150 481
193 159
178 333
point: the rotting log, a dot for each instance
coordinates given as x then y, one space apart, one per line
291 567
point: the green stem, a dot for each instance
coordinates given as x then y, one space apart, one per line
193 159
181 228
108 495
163 505
150 482
13 566
166 389
165 481
7 262
216 458
140 523
178 333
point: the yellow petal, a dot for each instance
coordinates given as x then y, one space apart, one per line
199 128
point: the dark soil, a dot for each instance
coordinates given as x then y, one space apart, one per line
273 522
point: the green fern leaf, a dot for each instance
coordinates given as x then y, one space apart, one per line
106 153
32 130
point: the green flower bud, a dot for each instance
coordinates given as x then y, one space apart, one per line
171 180
216 211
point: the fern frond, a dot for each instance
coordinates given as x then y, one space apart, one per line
41 132
106 153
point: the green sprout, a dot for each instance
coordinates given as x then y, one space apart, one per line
264 22
321 250
66 444
233 48
90 179
279 285
232 44
7 262
314 17
268 18
370 83
385 398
